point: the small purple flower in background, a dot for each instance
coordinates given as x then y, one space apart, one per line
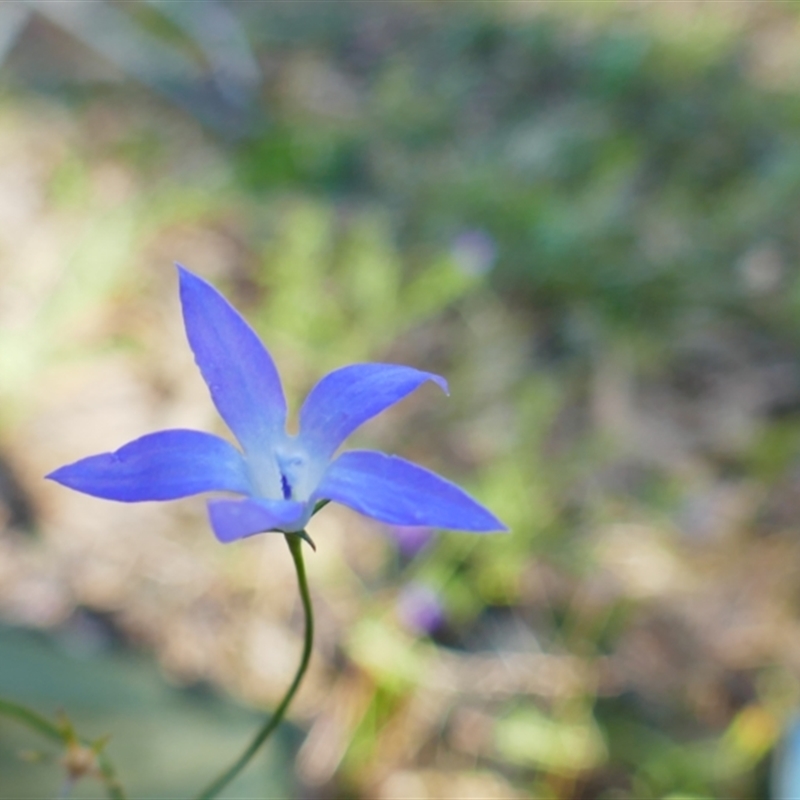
410 539
475 251
283 477
419 609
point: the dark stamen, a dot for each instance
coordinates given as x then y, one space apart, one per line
287 490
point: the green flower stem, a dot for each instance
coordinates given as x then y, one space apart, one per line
41 725
295 543
113 786
36 722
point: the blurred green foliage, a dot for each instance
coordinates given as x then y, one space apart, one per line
628 176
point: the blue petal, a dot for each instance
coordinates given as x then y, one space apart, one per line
393 490
235 519
160 466
240 373
348 397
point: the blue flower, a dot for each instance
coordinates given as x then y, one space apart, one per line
283 477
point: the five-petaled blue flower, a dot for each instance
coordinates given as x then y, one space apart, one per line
283 477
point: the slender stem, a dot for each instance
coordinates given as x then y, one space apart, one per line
113 786
41 725
212 790
32 719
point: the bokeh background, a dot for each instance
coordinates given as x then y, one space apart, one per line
586 217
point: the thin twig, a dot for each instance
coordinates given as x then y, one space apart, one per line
64 735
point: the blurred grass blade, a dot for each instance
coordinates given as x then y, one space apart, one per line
13 19
114 34
33 720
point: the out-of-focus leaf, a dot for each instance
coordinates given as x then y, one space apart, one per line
529 738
